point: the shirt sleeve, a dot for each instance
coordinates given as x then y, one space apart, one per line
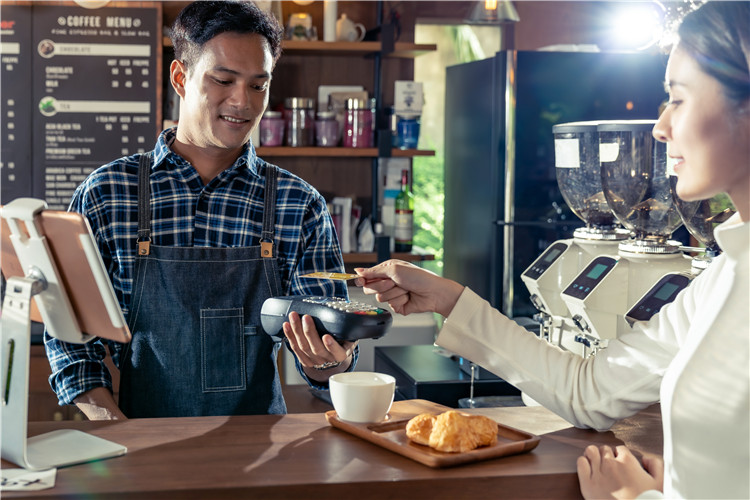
78 368
618 381
321 253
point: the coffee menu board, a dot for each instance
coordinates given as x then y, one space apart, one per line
15 94
93 93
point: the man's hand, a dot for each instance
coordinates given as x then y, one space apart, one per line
313 351
98 404
607 473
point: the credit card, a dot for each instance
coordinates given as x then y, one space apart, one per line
330 276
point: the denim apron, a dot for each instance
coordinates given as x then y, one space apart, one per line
198 347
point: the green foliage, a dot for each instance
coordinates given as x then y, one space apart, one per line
429 182
429 195
466 45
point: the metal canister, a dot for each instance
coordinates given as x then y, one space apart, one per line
299 115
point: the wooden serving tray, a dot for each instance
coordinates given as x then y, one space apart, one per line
391 434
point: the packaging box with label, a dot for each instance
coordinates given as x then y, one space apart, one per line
408 97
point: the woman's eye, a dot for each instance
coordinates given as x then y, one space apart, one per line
262 87
222 82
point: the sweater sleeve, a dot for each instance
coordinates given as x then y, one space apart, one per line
593 392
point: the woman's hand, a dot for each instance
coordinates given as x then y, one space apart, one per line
607 473
408 288
314 352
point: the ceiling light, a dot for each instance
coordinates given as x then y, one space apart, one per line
490 12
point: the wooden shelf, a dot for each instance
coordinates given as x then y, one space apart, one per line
402 50
318 48
372 257
265 151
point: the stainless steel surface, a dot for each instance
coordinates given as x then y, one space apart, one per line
510 182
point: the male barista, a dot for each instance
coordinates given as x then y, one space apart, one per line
196 235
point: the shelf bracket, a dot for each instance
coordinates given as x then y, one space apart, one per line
387 39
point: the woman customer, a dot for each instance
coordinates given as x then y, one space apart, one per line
693 355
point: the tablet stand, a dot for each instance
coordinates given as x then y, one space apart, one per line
61 447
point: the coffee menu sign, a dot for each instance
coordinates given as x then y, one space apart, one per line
93 93
15 94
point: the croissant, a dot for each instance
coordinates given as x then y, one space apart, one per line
452 431
419 428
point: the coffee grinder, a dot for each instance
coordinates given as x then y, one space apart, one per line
701 218
578 173
637 187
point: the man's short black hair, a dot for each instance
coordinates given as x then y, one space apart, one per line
201 21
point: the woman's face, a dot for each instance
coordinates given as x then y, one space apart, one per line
707 137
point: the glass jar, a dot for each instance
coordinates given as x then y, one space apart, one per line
299 115
327 129
407 128
272 129
358 124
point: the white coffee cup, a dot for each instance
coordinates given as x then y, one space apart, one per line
362 397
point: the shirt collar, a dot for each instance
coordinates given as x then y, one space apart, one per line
733 236
247 159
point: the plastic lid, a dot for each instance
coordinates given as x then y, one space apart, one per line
627 126
576 127
326 115
299 102
272 114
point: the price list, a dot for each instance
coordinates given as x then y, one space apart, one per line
15 94
94 92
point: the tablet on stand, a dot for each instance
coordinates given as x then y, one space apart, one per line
50 258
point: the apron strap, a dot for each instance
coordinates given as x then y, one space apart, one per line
144 208
269 212
144 205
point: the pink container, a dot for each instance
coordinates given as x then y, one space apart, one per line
327 129
358 124
272 129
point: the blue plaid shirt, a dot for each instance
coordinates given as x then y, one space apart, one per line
228 212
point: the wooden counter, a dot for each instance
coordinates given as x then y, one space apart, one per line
301 456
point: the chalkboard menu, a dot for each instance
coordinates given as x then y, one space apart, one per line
15 93
92 95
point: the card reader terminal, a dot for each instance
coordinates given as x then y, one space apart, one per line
341 318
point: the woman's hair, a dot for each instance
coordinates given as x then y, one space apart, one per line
717 36
201 21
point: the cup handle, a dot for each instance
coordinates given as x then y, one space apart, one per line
361 29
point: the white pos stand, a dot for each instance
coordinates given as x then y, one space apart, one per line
43 281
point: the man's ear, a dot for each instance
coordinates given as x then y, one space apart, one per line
178 76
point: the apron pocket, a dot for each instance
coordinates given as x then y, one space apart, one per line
222 350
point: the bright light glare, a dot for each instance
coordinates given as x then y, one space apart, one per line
490 4
637 26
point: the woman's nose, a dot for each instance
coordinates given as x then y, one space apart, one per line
661 128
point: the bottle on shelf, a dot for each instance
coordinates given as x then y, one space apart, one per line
403 229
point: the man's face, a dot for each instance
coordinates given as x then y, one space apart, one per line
225 93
